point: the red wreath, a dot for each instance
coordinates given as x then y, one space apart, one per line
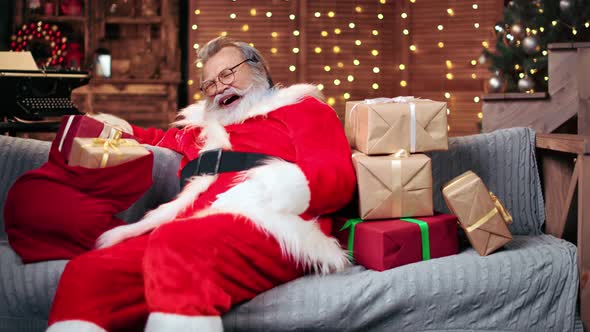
45 41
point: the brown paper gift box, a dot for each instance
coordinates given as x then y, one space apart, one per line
392 186
89 152
480 213
384 128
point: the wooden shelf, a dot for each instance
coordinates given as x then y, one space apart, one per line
134 20
515 96
96 81
68 19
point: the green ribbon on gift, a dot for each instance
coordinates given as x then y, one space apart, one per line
425 236
351 223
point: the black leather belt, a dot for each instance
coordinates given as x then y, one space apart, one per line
216 161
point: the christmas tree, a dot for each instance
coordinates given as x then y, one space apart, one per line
519 61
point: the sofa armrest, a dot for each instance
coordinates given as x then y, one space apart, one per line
18 155
565 161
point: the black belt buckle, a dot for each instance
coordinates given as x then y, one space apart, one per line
205 161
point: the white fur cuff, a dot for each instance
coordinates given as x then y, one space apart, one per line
163 322
75 326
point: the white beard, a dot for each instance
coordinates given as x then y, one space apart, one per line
237 114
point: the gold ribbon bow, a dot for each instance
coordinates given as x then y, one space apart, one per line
498 209
113 142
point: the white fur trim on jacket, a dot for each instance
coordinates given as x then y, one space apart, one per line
195 115
273 196
75 326
163 322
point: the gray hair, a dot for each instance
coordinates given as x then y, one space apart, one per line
258 63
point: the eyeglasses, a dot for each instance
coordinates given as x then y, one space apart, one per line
226 76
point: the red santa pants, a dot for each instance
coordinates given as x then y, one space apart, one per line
194 267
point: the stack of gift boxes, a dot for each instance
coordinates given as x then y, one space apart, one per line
396 223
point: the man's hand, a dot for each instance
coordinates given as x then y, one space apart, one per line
113 121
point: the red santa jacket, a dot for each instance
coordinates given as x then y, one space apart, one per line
289 197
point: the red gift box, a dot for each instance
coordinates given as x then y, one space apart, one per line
385 244
82 126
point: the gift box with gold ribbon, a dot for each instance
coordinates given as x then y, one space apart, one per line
394 186
385 125
104 152
385 244
480 212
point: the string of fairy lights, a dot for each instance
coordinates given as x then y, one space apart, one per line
467 9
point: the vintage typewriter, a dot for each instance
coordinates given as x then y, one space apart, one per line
32 99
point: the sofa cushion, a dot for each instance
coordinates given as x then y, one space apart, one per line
505 161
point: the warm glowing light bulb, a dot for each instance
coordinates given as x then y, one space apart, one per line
476 25
273 50
223 33
358 9
324 33
541 29
327 68
516 66
376 70
554 23
336 82
295 33
197 12
245 27
356 62
292 17
404 15
331 14
406 32
251 44
449 76
544 52
485 44
340 64
253 11
476 99
441 44
440 27
317 14
331 101
447 95
292 68
474 76
195 46
413 48
375 33
574 31
521 75
403 83
199 64
382 1
274 34
350 78
450 11
474 6
480 115
232 16
195 27
197 96
375 86
351 25
402 66
473 62
346 95
448 111
357 42
295 50
318 50
337 31
375 52
336 49
268 14
587 24
380 16
449 64
320 87
190 82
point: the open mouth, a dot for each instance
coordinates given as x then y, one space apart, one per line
229 100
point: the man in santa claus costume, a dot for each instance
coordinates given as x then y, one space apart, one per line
262 168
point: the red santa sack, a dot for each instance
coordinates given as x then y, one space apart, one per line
58 211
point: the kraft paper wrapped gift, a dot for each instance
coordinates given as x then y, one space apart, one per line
382 245
101 152
480 213
385 125
83 126
393 186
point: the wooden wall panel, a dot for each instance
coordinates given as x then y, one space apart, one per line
426 69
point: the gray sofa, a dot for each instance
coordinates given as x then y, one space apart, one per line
530 285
